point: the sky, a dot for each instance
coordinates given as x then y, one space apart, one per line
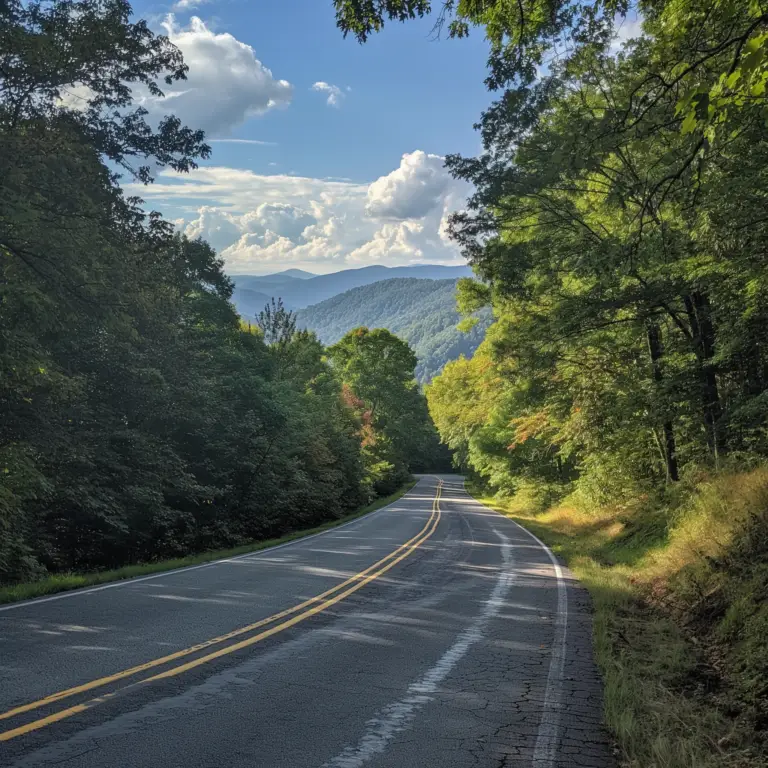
327 154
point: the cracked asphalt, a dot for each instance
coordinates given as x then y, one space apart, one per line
475 650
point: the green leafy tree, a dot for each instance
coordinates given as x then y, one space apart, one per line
378 368
277 324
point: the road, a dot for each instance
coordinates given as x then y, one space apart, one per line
432 633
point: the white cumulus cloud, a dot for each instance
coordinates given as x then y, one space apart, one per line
188 5
334 94
262 222
410 191
226 83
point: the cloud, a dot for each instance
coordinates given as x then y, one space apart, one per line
261 222
188 5
218 227
226 83
335 94
410 191
626 29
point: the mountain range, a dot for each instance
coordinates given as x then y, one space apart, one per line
421 311
299 289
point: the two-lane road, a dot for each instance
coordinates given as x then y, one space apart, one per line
432 633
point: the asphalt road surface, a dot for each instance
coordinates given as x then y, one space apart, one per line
432 633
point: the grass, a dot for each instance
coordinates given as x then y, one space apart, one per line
62 582
679 584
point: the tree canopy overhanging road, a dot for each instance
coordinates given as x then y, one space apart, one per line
434 632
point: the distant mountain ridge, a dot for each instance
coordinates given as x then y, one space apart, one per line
249 303
298 291
281 277
421 311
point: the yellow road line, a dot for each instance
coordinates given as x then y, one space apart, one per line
207 643
363 578
296 619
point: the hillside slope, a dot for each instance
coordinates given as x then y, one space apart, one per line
249 303
422 312
297 292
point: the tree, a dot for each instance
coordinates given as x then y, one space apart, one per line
277 325
379 370
377 365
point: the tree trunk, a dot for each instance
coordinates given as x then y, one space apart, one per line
656 351
699 311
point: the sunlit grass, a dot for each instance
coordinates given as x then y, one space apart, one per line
61 582
679 586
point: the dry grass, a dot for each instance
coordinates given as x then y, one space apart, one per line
679 584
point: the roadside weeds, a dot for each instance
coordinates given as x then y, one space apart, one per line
680 595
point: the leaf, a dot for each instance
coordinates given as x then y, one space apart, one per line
752 61
685 100
689 124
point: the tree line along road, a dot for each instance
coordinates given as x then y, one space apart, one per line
433 632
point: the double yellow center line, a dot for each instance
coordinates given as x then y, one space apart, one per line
292 616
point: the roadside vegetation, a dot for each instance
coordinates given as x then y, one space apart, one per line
678 583
63 582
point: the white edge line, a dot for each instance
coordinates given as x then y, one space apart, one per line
397 717
545 751
187 568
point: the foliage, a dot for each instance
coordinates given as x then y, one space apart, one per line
678 582
419 311
139 419
62 582
398 435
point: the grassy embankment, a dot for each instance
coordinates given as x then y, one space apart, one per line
680 590
61 582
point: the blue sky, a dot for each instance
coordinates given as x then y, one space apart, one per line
350 172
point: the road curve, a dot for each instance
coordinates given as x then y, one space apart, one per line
432 633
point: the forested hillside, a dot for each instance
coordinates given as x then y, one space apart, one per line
249 303
423 312
298 292
138 419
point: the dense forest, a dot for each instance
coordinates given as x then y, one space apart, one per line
138 418
423 312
